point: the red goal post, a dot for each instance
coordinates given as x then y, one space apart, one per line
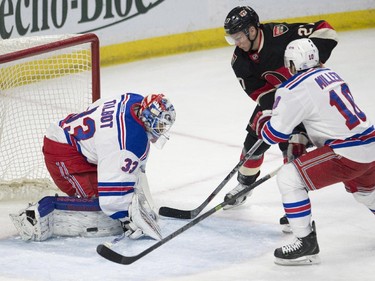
42 79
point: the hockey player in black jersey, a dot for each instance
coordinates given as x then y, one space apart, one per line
258 63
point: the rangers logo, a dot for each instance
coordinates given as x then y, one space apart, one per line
279 29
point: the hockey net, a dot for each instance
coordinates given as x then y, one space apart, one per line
42 79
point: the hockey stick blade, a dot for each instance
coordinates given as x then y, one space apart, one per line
190 214
185 214
176 213
111 255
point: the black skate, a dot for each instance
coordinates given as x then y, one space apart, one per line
243 182
240 200
303 251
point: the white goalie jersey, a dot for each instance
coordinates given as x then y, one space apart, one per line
331 117
110 136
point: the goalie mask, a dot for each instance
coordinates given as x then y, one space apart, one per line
158 115
302 53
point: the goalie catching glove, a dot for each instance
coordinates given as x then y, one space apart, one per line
142 220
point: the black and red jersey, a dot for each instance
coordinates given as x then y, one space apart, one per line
261 72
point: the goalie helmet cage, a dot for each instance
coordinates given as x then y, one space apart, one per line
42 79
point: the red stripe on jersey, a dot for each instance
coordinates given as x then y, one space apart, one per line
270 135
352 141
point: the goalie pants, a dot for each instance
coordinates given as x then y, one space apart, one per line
70 170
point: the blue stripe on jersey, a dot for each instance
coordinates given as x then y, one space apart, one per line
119 117
364 138
119 215
78 147
120 193
136 140
267 139
273 136
73 142
298 78
115 188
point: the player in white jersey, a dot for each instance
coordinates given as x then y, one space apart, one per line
98 158
342 133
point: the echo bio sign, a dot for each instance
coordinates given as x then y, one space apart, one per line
119 21
28 17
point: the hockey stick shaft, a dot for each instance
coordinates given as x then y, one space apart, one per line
118 258
190 214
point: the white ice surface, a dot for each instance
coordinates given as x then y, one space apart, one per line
212 112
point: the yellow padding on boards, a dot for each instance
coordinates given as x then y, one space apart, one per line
214 38
43 69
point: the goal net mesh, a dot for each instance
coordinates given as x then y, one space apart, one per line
42 79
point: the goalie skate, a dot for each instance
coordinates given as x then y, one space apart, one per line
303 251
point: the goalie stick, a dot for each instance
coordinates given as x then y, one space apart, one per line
190 214
106 252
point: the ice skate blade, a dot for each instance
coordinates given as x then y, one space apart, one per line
228 207
306 260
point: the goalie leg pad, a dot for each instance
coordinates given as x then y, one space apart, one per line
84 224
64 216
31 226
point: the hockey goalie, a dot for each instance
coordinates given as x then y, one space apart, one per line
98 158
